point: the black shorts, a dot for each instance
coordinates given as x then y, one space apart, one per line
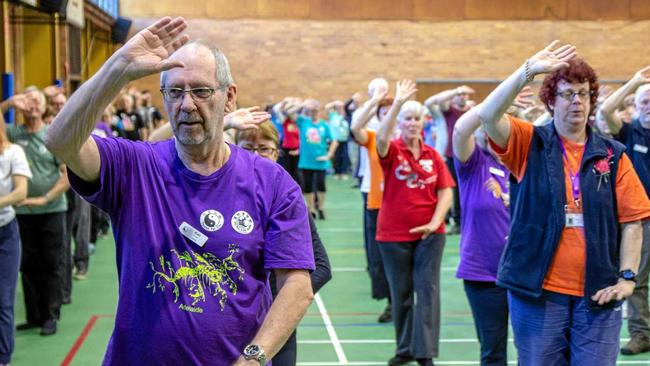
313 181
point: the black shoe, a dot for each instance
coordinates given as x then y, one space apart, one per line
26 326
386 316
321 214
49 328
425 362
400 360
313 215
637 344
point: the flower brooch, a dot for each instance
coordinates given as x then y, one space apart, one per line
602 168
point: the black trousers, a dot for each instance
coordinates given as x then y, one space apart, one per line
290 164
455 209
43 238
100 222
288 354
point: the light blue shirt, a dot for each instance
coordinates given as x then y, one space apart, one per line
314 138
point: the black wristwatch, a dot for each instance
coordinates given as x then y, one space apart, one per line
255 352
627 275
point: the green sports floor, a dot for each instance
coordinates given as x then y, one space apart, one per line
340 328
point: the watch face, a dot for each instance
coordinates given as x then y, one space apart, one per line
251 350
628 275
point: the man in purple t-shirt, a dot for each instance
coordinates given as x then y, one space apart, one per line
453 103
198 223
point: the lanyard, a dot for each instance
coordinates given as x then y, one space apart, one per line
575 178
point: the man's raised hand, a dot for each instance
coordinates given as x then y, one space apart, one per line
524 99
643 76
148 51
21 102
379 93
245 118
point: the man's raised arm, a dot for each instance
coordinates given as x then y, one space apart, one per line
363 115
68 138
614 101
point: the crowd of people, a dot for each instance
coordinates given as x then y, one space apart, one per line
555 229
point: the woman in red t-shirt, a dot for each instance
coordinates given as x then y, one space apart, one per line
410 227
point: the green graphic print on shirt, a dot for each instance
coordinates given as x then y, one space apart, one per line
198 273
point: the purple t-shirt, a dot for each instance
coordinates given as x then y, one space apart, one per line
451 116
194 252
484 189
102 130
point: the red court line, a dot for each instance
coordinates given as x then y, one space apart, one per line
82 338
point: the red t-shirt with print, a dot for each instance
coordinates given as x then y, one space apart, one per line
290 135
410 191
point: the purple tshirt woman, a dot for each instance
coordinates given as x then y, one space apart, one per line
484 192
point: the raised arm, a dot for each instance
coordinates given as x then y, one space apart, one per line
405 89
292 108
18 101
68 138
443 98
547 60
241 119
463 135
614 101
363 115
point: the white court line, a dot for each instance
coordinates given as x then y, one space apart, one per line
389 341
330 330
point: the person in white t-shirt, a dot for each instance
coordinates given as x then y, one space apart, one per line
14 173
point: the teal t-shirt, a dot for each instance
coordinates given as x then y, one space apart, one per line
314 138
339 126
44 167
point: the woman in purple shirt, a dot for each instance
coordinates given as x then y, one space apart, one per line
484 197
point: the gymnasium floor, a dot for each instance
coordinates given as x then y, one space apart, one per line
339 329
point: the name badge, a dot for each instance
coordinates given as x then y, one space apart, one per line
640 148
574 220
498 172
194 235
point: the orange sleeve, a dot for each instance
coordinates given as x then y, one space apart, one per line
515 155
371 135
632 201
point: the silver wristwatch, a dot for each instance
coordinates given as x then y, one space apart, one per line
255 352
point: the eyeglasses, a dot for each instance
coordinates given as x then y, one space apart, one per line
568 95
261 150
177 94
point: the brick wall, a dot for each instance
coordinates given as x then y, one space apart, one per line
330 60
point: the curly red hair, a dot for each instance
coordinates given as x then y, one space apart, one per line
579 71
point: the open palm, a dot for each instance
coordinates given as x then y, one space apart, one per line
405 89
643 75
552 58
147 52
246 118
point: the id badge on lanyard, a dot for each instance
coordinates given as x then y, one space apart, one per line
573 211
574 220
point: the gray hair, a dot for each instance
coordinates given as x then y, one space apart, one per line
41 95
411 106
640 91
223 76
